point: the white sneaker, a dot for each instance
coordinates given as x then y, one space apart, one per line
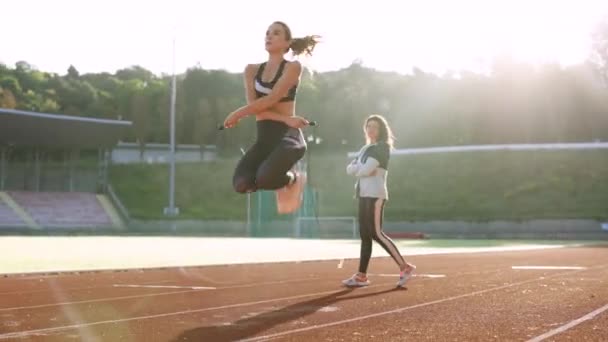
405 276
356 281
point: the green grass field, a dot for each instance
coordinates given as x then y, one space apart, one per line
473 186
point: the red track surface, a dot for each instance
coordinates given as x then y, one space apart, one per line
480 298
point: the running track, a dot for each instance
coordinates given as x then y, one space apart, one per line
456 297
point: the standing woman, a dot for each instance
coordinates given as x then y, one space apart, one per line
370 168
271 89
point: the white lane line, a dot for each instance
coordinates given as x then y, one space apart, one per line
384 313
573 323
419 275
166 287
46 331
80 288
107 299
548 267
422 275
150 295
297 280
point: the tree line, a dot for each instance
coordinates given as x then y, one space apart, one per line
512 103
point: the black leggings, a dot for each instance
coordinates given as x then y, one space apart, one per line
266 165
371 212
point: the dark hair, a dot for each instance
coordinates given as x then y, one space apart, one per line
299 45
386 134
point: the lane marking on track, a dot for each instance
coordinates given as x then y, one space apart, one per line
167 287
107 299
415 275
548 267
569 325
46 331
399 310
80 288
153 294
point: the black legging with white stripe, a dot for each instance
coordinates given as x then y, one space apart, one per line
371 212
267 164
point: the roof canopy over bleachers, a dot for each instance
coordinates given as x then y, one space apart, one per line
32 129
41 133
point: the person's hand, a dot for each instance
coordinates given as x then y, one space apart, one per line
296 122
231 120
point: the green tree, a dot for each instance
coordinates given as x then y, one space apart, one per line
73 73
11 83
7 99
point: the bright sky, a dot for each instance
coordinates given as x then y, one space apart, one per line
395 35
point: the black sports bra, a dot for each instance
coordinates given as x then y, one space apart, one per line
264 88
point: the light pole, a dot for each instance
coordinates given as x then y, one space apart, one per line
171 210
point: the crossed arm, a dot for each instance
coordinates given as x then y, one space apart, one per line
376 155
363 170
250 71
259 107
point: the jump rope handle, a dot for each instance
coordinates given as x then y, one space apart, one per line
311 123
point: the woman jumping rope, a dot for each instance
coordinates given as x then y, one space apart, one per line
370 169
271 92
